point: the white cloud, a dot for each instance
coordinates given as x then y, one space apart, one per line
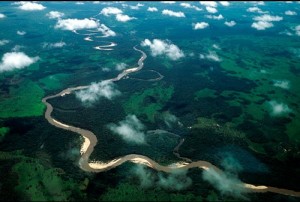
121 66
170 119
16 60
152 9
168 2
230 23
278 109
160 47
110 11
21 33
215 17
267 18
224 3
262 25
79 3
30 6
226 183
4 42
106 31
76 24
290 12
106 89
55 14
54 45
200 25
17 48
130 129
211 9
285 84
255 9
297 29
187 5
209 3
172 13
176 180
2 15
137 7
105 69
212 56
216 46
123 18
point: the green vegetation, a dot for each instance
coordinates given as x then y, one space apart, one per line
38 182
206 92
128 192
254 59
3 132
53 82
224 130
149 101
23 101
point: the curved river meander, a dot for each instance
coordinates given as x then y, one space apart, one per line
90 140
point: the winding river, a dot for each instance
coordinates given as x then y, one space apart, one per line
90 140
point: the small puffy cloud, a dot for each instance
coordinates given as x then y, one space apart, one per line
215 17
297 30
212 56
121 66
161 47
216 46
290 12
168 2
152 9
106 31
123 18
255 10
76 24
30 6
130 129
262 25
110 11
55 14
4 42
188 5
224 3
175 181
285 84
209 3
137 7
172 13
146 177
170 119
278 109
226 183
230 23
200 25
267 18
106 89
21 33
2 15
105 69
211 9
79 3
54 45
17 48
16 60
